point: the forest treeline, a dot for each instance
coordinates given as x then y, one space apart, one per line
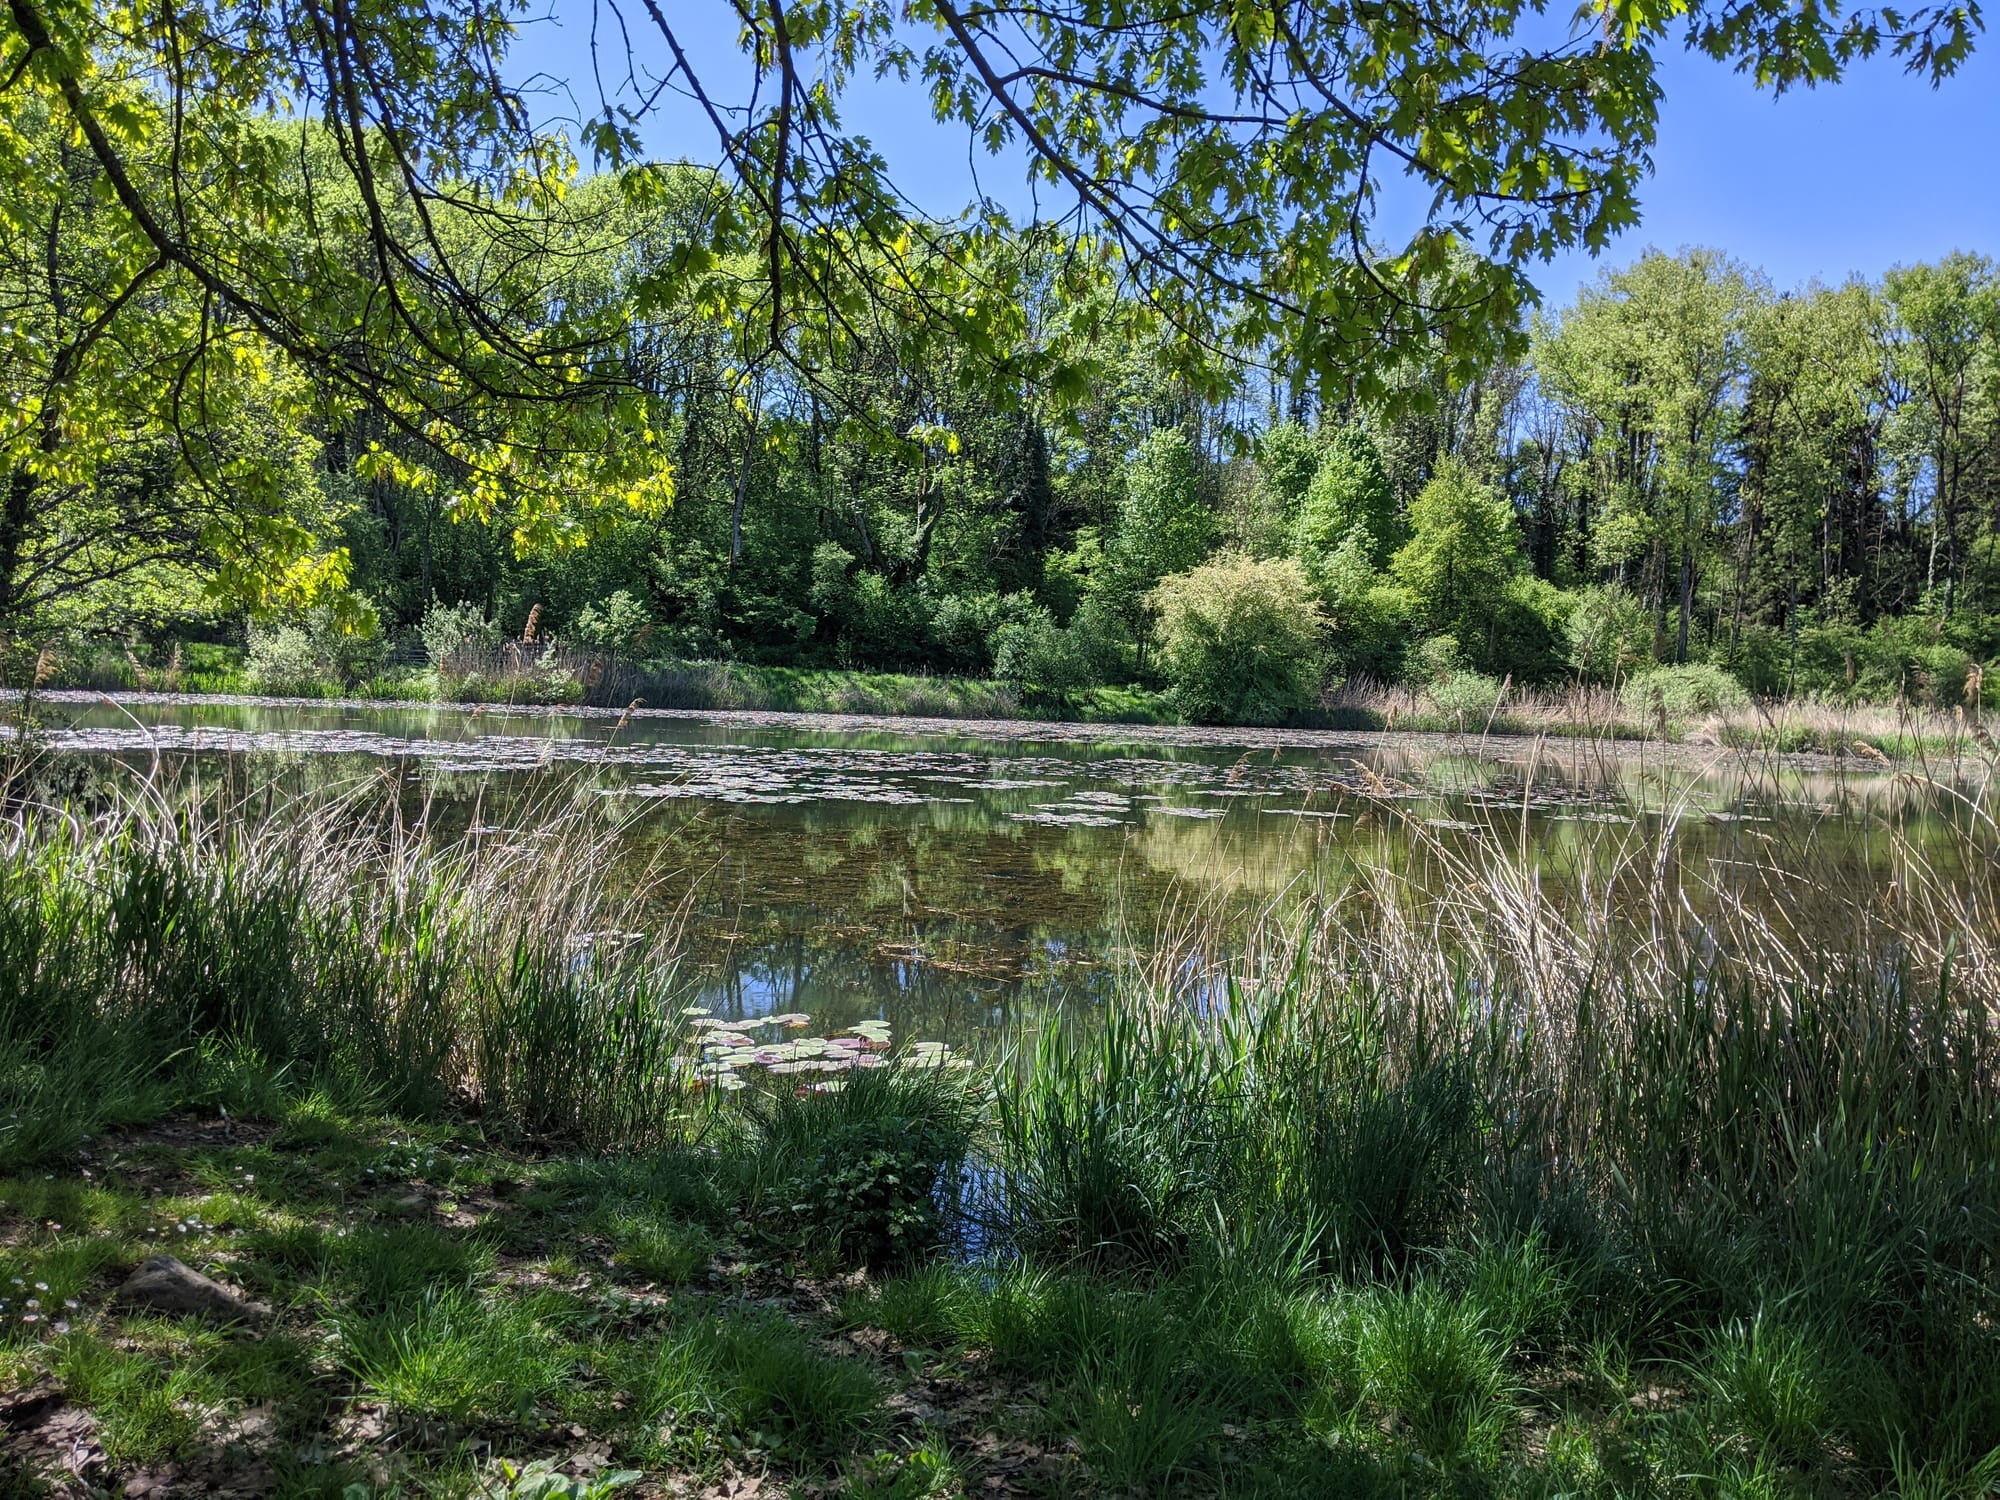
1801 489
1683 468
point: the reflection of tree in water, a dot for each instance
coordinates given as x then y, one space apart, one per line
839 983
823 915
979 884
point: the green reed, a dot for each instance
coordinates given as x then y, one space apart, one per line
1759 1159
145 955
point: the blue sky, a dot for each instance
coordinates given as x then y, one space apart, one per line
1876 171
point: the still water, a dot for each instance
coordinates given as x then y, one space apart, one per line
946 877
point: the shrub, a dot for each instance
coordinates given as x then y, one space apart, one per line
1044 661
1902 660
1239 639
323 651
870 1194
877 623
1433 659
962 629
448 627
860 1173
1761 658
1684 692
283 659
1522 635
832 586
618 624
1371 631
1465 696
1608 633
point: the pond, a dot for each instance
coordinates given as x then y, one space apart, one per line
947 877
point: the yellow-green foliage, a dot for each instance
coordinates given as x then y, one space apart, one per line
1239 638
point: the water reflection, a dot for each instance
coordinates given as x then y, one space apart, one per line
950 882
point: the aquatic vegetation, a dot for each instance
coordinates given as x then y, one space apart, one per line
729 1051
1470 1166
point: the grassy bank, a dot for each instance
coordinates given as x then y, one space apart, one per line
553 674
1822 726
550 673
1479 1190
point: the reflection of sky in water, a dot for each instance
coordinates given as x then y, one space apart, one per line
946 882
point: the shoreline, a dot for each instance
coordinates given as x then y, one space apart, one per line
1510 743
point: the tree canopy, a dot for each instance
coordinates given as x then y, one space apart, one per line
286 291
1227 160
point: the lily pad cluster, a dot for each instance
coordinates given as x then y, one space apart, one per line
730 1052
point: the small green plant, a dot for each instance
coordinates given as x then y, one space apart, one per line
669 1254
401 1266
775 1383
871 1192
930 1306
1765 1382
542 1480
455 1356
1428 1358
926 1471
148 1409
864 1174
1146 1426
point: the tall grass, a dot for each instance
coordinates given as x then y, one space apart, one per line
1431 1147
1810 723
1759 1145
145 952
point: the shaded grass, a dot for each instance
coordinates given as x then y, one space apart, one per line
1482 1367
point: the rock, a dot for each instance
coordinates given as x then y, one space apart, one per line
165 1285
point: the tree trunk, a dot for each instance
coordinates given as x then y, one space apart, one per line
1687 603
13 538
742 483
